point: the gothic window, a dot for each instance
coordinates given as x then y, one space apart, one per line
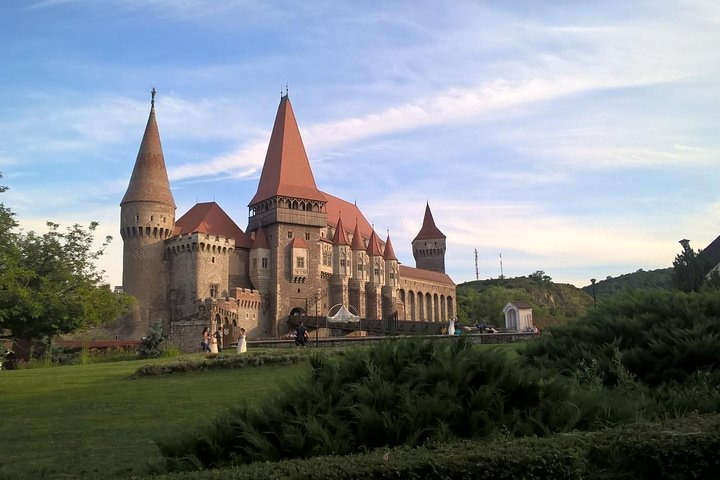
307 237
290 235
360 267
213 290
300 262
343 264
264 262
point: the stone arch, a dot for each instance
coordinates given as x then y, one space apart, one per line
421 306
428 302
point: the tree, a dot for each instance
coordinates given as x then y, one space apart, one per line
540 276
49 284
689 269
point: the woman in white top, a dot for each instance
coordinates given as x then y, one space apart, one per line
242 343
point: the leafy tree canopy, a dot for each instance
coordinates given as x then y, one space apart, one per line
49 283
690 270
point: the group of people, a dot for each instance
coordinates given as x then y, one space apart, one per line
212 343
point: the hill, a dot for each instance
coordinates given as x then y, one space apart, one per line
552 303
660 279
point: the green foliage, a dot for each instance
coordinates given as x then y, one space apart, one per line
660 336
539 276
49 283
680 448
660 279
151 344
398 393
224 362
689 270
552 303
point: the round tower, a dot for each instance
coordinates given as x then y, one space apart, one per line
429 245
147 218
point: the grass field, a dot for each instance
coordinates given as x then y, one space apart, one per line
94 421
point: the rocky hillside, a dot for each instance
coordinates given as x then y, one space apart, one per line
552 303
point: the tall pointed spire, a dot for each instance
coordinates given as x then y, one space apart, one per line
357 241
149 181
429 231
373 248
389 253
340 238
286 171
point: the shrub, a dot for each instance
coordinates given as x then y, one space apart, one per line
398 393
659 337
150 346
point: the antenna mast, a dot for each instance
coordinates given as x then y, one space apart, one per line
477 274
501 268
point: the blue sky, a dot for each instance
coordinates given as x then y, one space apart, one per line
579 138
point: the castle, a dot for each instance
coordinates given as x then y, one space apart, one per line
303 251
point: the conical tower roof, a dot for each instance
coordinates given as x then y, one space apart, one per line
340 238
149 181
286 171
429 231
373 248
357 242
389 253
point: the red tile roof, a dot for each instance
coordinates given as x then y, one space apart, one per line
429 231
298 242
260 240
149 180
373 248
340 237
420 274
209 218
337 207
286 171
389 253
357 242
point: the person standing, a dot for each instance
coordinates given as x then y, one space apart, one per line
213 344
219 338
301 335
242 342
205 342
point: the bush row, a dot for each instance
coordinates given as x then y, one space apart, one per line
400 393
217 362
680 448
659 336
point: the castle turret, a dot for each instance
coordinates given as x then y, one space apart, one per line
147 218
342 266
291 209
392 280
429 245
260 262
376 276
356 284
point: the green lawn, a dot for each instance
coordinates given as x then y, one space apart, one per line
94 421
